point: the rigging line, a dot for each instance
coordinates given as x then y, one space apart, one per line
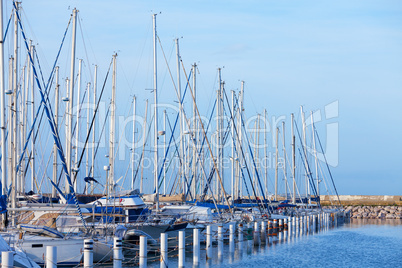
142 152
213 170
237 153
177 151
132 157
178 155
46 90
8 24
40 68
76 124
202 146
85 47
51 122
307 166
170 162
93 120
307 170
206 139
326 163
251 153
100 136
177 117
286 177
226 135
37 131
29 158
141 55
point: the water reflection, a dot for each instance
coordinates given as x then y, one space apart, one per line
356 223
256 251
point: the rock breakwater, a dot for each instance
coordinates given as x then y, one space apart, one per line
374 212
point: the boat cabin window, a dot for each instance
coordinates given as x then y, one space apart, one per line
37 245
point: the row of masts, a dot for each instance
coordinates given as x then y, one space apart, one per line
193 170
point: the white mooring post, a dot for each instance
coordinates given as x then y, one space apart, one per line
220 241
88 253
117 252
209 242
182 248
196 246
51 257
143 251
164 250
240 237
231 238
7 259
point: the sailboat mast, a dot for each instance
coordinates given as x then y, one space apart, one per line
293 159
144 133
276 165
240 131
33 170
284 160
164 151
194 134
315 155
182 149
88 125
156 183
133 144
218 135
70 104
10 123
56 123
94 130
305 153
25 105
21 130
77 128
15 112
2 107
257 153
233 147
112 127
266 150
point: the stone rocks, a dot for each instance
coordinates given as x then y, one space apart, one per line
376 212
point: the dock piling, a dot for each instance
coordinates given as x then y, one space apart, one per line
88 253
117 252
209 243
7 259
164 250
240 237
231 238
196 246
182 248
220 241
143 251
51 257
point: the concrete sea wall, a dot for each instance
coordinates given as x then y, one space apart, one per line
363 200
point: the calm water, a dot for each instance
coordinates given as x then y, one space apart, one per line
360 243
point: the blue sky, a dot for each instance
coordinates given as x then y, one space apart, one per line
289 53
